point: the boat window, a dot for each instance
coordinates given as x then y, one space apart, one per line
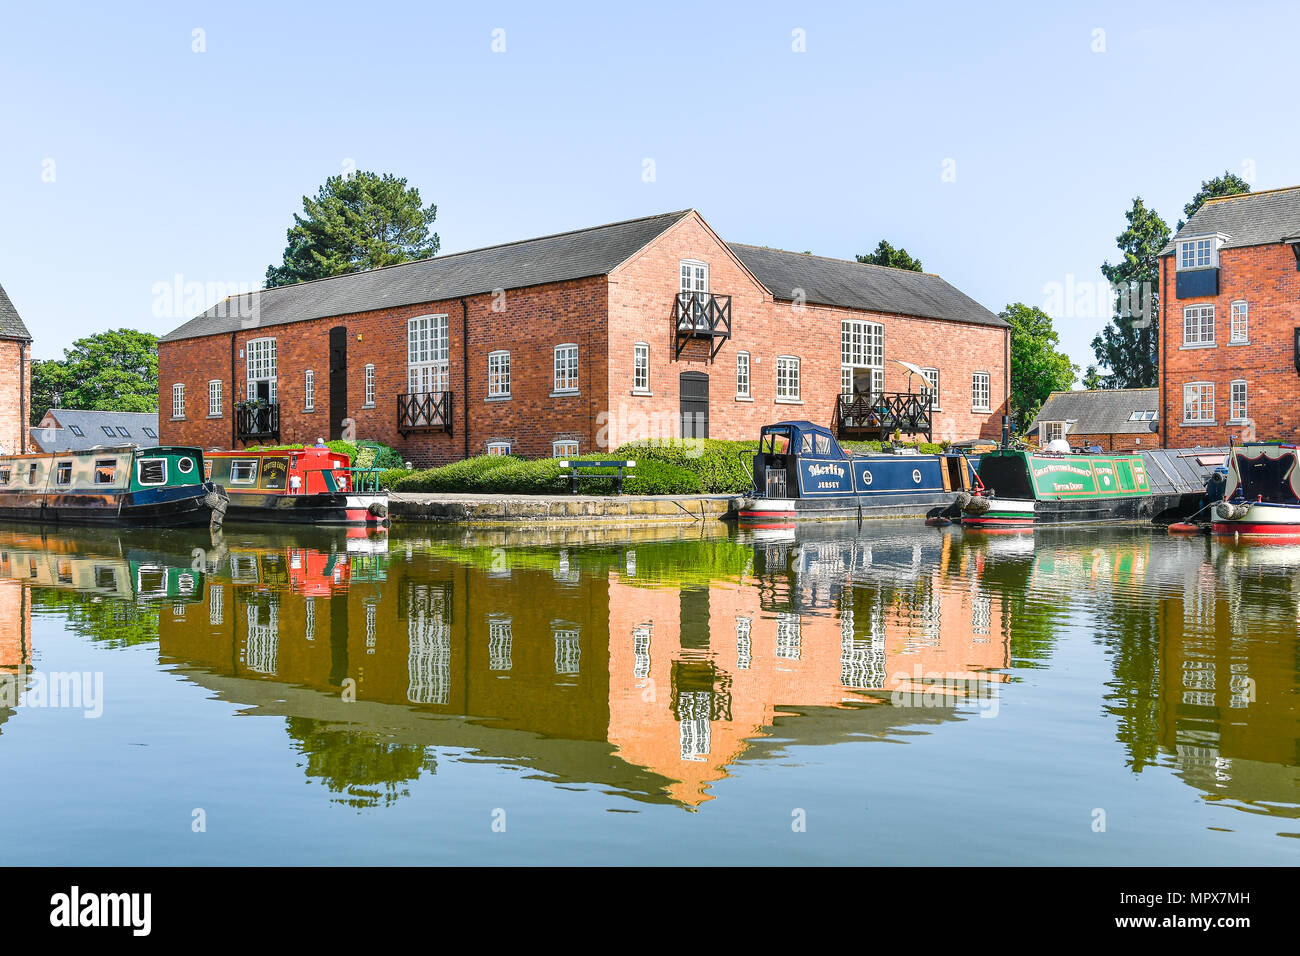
64 474
4 476
105 578
105 471
151 471
824 446
806 445
243 471
31 473
185 465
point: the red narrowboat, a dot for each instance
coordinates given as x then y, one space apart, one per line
296 486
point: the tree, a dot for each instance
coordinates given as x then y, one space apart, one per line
1229 184
1127 344
1093 379
887 255
356 222
1037 368
115 371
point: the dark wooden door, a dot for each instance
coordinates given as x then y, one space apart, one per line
694 387
338 380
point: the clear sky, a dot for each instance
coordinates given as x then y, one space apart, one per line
999 144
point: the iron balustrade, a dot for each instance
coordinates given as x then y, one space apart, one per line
423 412
257 421
880 414
701 315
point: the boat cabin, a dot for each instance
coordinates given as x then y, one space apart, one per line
302 471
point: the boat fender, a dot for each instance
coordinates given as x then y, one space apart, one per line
963 499
1184 527
978 505
378 509
1232 512
215 501
938 521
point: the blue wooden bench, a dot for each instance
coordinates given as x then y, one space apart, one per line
576 471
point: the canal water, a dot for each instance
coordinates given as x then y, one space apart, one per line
892 694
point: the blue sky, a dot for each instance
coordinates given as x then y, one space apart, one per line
168 162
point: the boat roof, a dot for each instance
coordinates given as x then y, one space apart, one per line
314 451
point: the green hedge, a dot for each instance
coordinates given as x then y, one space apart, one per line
384 458
722 467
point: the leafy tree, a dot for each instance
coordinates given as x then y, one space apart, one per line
1127 344
356 222
1037 368
115 371
887 255
1093 379
1229 184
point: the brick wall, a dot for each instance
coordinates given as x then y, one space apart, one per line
1265 277
15 392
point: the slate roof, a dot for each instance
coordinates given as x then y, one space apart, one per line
856 285
91 424
1103 411
11 324
1251 219
514 265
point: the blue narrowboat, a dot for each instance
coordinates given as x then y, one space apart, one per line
800 471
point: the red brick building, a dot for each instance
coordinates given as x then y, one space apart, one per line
15 379
1230 322
578 342
1112 419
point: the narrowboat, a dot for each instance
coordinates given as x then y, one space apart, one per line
1028 488
1262 495
313 486
800 471
161 487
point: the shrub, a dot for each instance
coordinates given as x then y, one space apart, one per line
721 466
651 477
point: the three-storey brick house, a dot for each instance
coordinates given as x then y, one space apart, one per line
15 379
577 342
1230 322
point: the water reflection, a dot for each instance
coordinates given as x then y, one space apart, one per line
652 667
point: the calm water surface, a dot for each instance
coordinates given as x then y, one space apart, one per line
895 694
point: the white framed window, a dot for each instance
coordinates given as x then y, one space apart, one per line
742 375
1196 253
1239 330
1198 402
1051 431
214 398
498 448
428 350
243 471
1238 406
309 390
930 389
370 386
695 275
641 368
787 378
498 375
151 471
1198 325
178 400
260 365
564 448
981 396
566 368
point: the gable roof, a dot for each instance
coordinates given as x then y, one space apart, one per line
1102 411
91 424
11 323
1250 219
857 285
579 254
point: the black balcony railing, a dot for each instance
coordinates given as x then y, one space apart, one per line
878 415
701 315
423 412
257 421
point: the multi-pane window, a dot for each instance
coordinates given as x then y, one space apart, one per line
370 385
742 375
1240 330
1237 401
641 367
309 391
565 448
979 389
1051 431
862 356
214 398
930 389
1196 254
427 353
1198 325
498 448
787 379
1198 402
498 375
178 400
261 366
695 276
566 368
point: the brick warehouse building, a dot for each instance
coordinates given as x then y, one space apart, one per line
1230 322
577 342
15 379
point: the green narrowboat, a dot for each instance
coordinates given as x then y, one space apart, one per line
126 486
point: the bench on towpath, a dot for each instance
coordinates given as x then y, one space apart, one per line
575 469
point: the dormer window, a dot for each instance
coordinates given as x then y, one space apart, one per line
1197 253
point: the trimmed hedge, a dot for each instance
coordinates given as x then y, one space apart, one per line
721 466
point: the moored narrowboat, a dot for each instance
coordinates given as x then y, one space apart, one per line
314 486
1262 495
160 487
800 471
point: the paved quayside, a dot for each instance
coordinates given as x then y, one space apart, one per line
560 509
